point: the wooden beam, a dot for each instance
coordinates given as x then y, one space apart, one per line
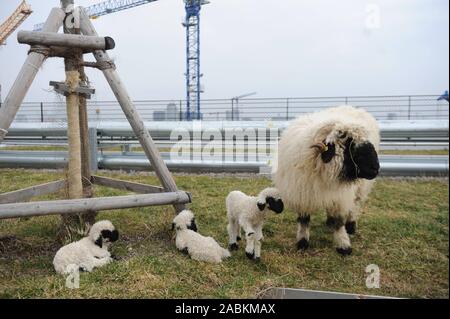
66 40
125 185
27 193
130 111
26 76
91 204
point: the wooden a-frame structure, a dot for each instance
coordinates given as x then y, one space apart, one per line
79 38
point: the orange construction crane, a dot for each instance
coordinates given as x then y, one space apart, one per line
14 21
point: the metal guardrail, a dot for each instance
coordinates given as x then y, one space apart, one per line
431 133
391 165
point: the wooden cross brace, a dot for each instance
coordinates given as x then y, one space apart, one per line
63 89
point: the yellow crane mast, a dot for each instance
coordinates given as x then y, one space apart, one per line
22 12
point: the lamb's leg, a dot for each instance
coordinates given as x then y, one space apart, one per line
233 234
258 244
250 235
341 239
100 262
303 231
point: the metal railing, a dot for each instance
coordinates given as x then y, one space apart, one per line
103 136
407 107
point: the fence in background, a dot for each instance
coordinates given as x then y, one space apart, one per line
277 109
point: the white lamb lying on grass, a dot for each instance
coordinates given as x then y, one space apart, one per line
198 247
89 252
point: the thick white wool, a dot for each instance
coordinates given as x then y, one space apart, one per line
84 254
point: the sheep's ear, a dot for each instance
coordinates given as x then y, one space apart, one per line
261 206
99 241
328 155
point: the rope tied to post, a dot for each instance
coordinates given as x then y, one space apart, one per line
45 51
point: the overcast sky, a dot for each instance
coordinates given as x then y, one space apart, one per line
283 48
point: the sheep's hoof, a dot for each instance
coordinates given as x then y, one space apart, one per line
350 227
303 244
257 260
344 251
233 247
239 238
250 255
185 251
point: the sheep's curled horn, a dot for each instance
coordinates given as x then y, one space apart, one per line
322 147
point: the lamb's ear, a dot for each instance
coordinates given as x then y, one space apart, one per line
261 206
99 241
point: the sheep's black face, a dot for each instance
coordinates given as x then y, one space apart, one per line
275 205
360 161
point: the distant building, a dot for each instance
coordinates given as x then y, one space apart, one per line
392 116
159 116
172 113
233 115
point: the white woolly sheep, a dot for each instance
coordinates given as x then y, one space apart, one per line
250 212
328 161
190 242
89 252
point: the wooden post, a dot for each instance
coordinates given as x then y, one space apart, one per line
131 113
88 190
73 129
72 222
26 76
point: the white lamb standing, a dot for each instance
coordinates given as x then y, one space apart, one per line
89 252
190 242
250 212
328 161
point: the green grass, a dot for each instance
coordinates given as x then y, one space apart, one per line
404 230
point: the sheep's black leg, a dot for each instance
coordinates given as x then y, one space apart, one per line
303 232
340 235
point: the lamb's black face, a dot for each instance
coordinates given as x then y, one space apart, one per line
193 225
275 205
360 161
112 236
107 236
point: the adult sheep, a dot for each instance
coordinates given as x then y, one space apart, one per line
328 161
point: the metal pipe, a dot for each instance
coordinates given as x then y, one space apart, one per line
391 165
389 129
